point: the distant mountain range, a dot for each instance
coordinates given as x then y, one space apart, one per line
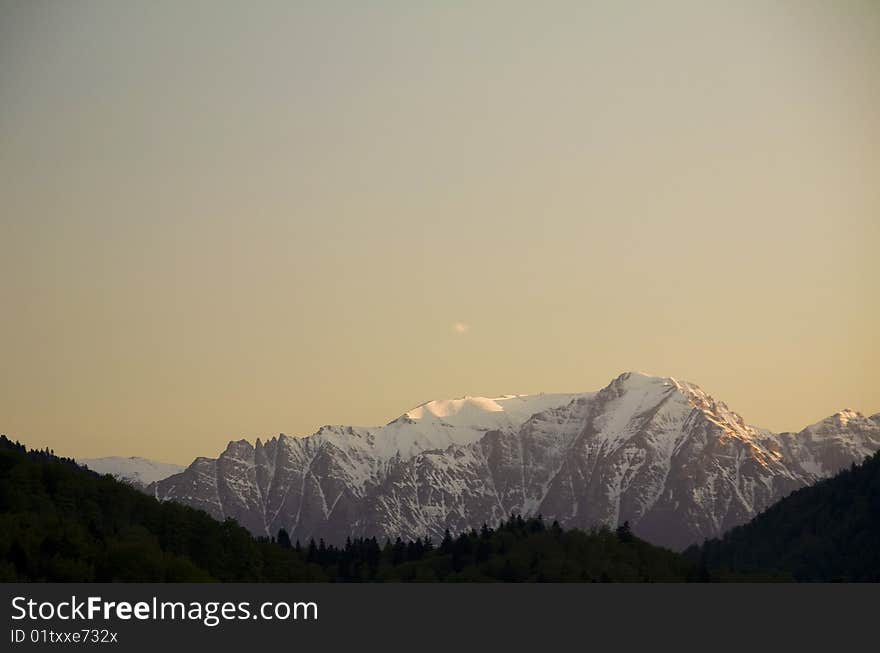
136 471
656 452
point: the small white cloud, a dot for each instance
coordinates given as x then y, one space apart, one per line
460 327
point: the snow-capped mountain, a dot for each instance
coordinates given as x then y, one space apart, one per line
657 452
137 471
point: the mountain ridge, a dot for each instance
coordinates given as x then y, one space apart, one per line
658 452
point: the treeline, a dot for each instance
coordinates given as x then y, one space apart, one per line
516 550
829 531
60 522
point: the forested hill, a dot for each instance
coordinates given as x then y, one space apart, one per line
827 532
60 522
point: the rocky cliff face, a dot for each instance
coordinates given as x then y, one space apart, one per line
657 452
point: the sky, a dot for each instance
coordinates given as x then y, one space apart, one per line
223 220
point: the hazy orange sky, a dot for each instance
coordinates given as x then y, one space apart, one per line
224 220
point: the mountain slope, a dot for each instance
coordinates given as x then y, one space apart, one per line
827 532
662 454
